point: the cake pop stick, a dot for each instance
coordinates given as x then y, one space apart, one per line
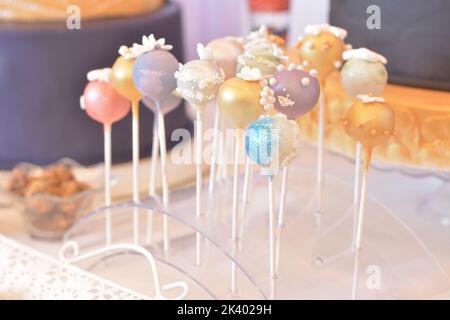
321 50
356 187
135 161
272 142
152 177
246 192
284 178
153 76
225 52
371 122
238 100
295 92
214 153
363 73
103 104
154 158
198 82
121 79
153 169
223 151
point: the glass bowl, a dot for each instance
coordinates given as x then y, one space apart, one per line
49 216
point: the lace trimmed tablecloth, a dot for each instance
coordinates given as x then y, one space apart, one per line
28 274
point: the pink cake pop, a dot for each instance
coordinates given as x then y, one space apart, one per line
103 104
101 101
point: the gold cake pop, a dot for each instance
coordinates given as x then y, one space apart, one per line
122 78
370 121
321 49
238 99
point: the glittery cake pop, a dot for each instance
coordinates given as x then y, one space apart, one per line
261 53
272 141
321 49
199 80
363 72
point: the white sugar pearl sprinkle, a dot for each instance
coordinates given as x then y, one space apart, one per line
305 81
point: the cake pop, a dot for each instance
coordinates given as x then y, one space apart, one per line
321 49
103 104
272 142
225 52
321 52
363 72
238 100
122 81
371 122
153 76
295 92
261 53
198 82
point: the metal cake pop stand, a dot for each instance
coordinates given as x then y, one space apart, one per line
312 262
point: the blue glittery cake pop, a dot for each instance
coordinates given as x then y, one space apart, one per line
272 141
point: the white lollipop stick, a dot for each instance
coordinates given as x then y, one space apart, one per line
358 158
247 179
362 208
245 193
359 229
107 155
135 139
199 178
320 148
165 182
154 158
320 136
223 150
355 275
284 179
215 151
152 179
281 210
271 230
235 212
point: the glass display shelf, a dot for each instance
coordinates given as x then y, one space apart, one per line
316 259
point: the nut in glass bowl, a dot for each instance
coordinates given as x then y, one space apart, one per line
53 197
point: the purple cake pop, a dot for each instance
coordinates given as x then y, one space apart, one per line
296 92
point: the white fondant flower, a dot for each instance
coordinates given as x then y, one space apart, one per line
151 43
204 53
99 74
250 74
262 32
316 29
130 52
368 99
365 54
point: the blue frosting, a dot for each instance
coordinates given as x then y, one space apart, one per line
261 141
